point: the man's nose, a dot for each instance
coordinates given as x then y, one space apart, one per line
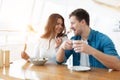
71 27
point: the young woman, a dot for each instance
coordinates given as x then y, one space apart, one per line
49 42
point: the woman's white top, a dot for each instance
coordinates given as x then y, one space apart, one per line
45 49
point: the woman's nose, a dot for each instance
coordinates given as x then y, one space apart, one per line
60 26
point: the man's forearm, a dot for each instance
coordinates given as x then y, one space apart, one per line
109 61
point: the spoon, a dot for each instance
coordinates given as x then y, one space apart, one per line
25 47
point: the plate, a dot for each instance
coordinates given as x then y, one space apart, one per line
80 68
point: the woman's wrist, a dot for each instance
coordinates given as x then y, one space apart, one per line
28 60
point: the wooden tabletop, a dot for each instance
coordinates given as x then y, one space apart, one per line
22 70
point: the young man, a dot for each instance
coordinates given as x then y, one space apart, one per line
88 47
